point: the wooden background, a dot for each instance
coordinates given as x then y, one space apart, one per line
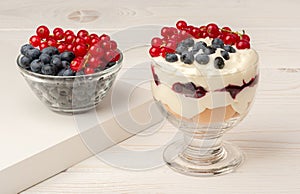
269 136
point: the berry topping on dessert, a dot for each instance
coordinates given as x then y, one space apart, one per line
188 41
63 53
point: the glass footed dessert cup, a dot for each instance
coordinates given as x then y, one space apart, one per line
203 107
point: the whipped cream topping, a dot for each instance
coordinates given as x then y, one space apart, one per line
241 66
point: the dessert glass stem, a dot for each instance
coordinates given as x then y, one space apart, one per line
202 149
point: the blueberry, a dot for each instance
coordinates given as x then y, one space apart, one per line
26 47
219 63
79 73
209 50
33 53
55 68
190 87
65 64
61 72
180 49
25 62
50 50
110 64
36 65
56 62
67 56
171 57
188 42
48 70
229 48
187 57
177 87
68 72
98 69
45 58
225 55
199 45
202 59
217 43
55 56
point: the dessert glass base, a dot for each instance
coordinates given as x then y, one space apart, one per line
201 152
188 160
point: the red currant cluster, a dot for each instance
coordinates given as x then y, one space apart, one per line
91 51
171 36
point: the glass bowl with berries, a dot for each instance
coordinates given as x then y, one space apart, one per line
68 72
204 81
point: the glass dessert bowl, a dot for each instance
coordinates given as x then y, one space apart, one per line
68 72
71 94
204 88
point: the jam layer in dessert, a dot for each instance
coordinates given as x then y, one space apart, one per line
189 89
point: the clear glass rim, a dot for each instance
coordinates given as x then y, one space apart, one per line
112 69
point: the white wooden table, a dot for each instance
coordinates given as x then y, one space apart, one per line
269 136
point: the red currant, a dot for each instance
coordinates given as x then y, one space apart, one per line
80 50
229 39
76 64
43 45
42 32
245 37
156 42
94 36
106 45
58 33
236 36
171 45
87 40
94 62
189 29
172 31
112 56
213 30
195 33
94 41
62 47
82 33
52 42
69 32
79 41
70 47
183 35
96 50
181 25
104 37
154 51
165 50
89 70
203 32
35 40
113 45
165 32
242 44
226 30
175 38
70 38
